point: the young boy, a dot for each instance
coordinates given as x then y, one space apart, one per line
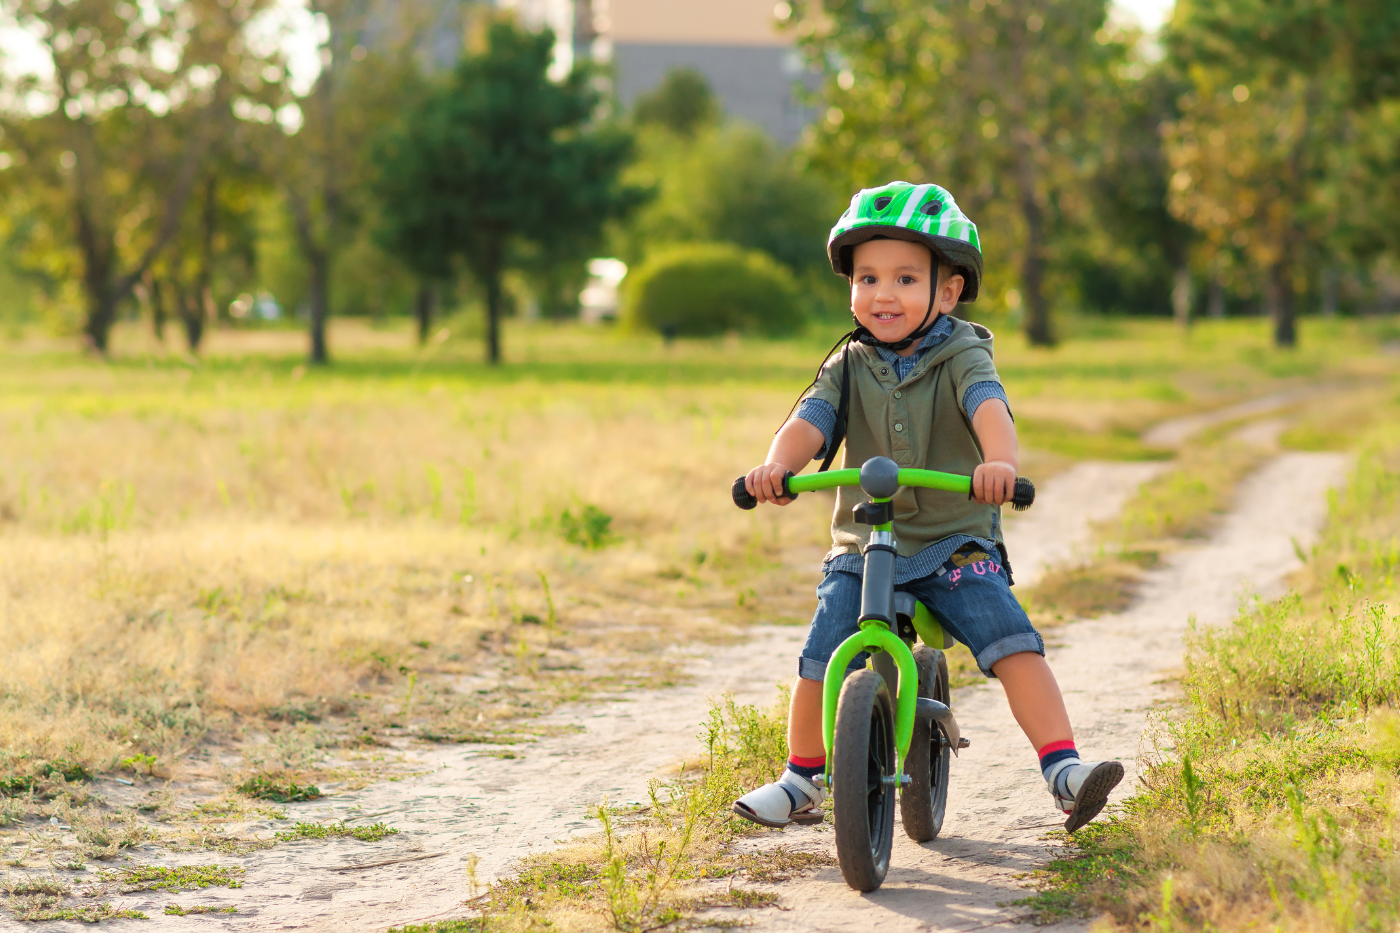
920 389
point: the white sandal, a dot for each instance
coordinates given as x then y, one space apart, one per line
1088 784
770 804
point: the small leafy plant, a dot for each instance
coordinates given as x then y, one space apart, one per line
591 528
278 787
372 833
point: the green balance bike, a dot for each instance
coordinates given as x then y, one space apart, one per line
890 725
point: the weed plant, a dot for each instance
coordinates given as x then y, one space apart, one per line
371 833
1274 802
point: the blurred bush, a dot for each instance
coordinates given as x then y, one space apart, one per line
702 289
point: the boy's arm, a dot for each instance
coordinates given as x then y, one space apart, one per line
994 480
796 443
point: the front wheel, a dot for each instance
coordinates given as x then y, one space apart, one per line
923 802
863 780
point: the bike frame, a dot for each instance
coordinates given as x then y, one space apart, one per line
877 627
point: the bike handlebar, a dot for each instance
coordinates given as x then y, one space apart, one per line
1021 499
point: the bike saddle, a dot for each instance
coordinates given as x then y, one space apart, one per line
911 614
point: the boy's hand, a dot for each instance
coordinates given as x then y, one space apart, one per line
994 482
765 483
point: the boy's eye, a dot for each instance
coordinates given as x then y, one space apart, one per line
867 280
906 280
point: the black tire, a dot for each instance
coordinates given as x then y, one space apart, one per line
863 780
924 801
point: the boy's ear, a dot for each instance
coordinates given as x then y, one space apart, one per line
954 283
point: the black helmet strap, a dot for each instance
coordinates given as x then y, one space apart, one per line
843 406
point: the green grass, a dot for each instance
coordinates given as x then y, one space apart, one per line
175 910
1274 803
278 787
371 833
175 878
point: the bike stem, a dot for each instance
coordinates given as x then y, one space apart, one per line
876 634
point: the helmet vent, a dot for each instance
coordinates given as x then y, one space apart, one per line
882 203
931 208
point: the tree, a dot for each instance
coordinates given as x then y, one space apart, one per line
683 103
497 158
323 165
111 143
994 99
1276 90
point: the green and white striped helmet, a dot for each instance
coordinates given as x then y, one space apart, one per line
924 214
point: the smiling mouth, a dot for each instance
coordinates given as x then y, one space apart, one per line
886 316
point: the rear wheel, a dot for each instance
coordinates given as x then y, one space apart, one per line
924 800
863 780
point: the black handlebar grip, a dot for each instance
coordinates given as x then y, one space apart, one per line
745 501
1023 495
741 495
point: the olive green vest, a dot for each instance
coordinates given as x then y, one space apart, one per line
917 423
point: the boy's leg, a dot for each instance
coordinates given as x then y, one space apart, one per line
1034 698
797 795
973 600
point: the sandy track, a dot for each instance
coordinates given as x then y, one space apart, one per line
470 804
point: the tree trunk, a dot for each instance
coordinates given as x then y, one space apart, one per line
1181 297
320 306
423 308
156 295
1033 276
493 315
1033 263
1278 300
1215 300
1330 279
102 314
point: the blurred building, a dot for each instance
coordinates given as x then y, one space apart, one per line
751 65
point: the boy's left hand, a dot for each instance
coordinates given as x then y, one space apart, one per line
994 482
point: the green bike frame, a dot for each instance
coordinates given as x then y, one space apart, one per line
874 634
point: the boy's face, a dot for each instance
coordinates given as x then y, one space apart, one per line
890 286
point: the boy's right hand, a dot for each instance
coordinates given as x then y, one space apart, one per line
765 483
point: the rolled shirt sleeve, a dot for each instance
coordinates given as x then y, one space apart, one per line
821 414
980 392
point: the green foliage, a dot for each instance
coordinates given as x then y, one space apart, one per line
732 183
1016 87
175 910
278 787
706 289
371 833
496 158
682 103
176 878
591 528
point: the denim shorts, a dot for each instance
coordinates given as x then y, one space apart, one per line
972 602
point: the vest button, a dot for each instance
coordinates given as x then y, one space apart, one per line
899 395
899 426
884 371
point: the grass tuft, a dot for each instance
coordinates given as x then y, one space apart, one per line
175 910
278 787
371 833
176 878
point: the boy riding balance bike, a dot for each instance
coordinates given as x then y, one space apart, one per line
928 435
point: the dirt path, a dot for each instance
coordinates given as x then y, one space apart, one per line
1113 670
470 805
